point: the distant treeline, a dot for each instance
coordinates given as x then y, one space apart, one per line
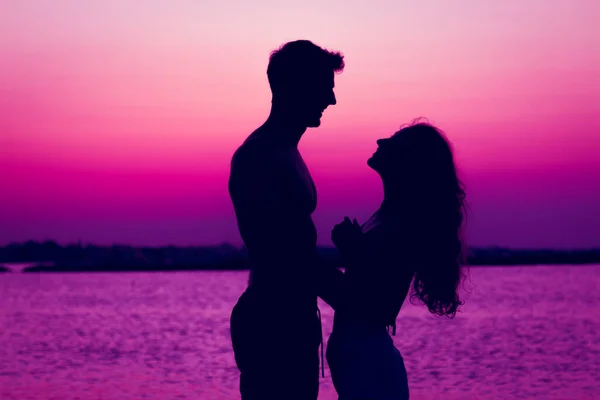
52 256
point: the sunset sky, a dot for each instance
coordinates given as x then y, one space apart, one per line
118 118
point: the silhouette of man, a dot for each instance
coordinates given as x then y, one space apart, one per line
275 325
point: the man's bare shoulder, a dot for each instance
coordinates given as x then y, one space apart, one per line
253 171
255 154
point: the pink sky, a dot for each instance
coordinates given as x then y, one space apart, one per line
118 118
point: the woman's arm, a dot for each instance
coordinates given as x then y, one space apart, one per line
348 238
351 244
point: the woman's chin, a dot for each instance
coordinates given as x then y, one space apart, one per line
371 163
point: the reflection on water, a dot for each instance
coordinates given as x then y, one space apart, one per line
525 333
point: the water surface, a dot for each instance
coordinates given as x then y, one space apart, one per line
525 333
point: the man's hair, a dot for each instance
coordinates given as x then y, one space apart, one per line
298 61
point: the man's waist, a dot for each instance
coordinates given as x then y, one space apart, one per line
294 282
292 303
283 287
287 274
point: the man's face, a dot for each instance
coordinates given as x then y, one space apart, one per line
313 97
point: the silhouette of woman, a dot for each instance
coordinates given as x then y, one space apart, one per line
413 237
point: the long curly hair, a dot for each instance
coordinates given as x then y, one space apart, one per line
433 211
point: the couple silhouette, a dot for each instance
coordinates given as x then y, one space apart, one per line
413 239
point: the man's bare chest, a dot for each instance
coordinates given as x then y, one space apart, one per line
295 184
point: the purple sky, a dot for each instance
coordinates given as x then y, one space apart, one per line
117 120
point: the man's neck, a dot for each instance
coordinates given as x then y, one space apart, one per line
282 128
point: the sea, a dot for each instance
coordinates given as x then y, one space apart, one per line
530 332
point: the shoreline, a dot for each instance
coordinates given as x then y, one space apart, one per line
49 256
125 269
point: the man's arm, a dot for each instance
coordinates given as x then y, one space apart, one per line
330 281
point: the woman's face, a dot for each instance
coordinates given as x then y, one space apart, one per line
387 155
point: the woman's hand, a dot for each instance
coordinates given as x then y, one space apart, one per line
346 235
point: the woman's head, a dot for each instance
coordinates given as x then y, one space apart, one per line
422 190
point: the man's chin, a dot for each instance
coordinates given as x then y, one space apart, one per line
315 123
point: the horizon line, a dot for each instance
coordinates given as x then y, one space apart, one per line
242 246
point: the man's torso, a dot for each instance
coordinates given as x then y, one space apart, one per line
288 195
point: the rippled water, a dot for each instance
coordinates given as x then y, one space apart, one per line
525 333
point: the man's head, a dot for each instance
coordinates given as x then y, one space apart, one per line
301 76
